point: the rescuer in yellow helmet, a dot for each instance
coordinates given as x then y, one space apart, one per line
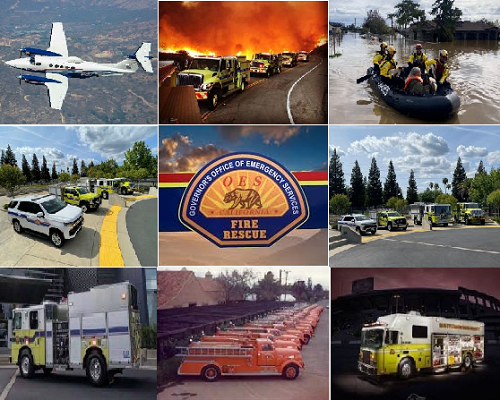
379 57
439 70
389 71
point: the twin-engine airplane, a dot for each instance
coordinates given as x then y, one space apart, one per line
58 66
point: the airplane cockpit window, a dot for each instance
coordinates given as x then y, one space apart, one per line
32 60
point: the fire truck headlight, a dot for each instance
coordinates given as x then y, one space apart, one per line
291 357
207 86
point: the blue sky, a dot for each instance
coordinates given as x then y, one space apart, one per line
188 148
431 151
60 144
345 12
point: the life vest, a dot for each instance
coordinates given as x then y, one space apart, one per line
440 68
410 78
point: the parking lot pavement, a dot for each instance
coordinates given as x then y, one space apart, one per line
30 249
312 383
132 384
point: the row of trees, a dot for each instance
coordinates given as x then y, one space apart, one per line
238 285
368 191
408 12
139 163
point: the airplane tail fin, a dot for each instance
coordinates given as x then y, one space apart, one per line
143 58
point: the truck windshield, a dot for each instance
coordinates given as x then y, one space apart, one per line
54 205
472 205
477 213
83 191
206 64
372 338
261 56
361 218
443 210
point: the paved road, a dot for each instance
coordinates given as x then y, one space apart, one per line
143 230
133 385
266 101
313 382
481 383
457 247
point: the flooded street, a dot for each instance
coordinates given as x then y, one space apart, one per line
474 75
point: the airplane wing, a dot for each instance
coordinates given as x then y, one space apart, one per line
57 91
58 40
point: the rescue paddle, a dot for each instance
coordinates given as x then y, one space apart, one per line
363 78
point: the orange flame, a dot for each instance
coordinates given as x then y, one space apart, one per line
242 27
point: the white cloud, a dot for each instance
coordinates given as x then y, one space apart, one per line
112 141
493 158
471 151
407 143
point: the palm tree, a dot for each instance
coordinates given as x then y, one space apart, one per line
445 183
436 186
448 186
431 185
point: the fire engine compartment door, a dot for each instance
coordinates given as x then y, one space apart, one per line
120 351
75 353
266 357
49 342
439 350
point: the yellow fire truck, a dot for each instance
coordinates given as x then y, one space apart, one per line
98 331
402 344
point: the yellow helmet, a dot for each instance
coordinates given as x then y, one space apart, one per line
383 45
392 50
443 53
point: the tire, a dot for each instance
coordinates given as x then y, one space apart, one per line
290 372
405 369
467 222
47 371
445 224
358 230
467 364
210 373
57 238
17 226
242 88
268 74
483 222
124 190
389 227
97 371
26 365
85 207
279 70
374 232
405 228
213 99
105 195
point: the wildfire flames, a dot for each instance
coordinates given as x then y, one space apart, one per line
242 27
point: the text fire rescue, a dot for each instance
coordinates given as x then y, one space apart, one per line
245 229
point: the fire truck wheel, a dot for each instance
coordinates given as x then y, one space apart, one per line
85 207
96 370
105 195
467 361
389 227
290 372
47 371
268 74
405 369
483 222
243 85
26 366
210 373
213 99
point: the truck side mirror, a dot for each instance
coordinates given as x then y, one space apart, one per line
39 214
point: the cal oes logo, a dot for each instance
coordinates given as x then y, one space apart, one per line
243 200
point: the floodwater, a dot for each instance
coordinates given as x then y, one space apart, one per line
474 75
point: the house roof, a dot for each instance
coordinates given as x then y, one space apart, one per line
171 284
210 285
467 26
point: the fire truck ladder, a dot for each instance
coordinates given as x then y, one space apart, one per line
215 351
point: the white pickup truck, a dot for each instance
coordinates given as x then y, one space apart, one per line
361 223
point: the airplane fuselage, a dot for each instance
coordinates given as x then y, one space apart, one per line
71 67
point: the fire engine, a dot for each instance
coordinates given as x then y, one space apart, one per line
402 344
216 77
469 213
436 214
97 331
212 360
